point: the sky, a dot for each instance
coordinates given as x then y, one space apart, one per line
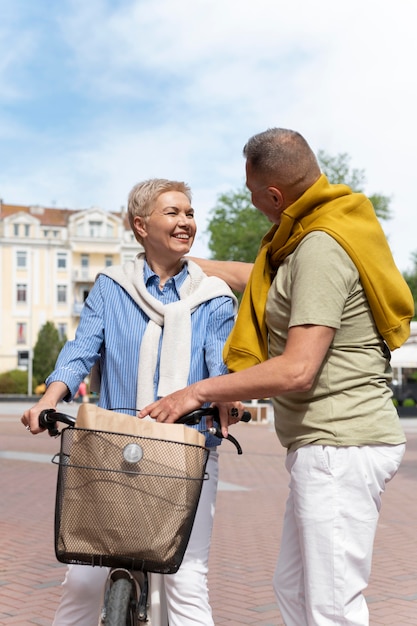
98 95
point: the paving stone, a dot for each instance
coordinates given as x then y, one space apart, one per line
248 522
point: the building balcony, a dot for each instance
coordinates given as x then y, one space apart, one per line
76 308
84 275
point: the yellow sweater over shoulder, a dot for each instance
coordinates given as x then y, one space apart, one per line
351 220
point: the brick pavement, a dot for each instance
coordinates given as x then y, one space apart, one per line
250 508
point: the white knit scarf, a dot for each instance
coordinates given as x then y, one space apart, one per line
175 318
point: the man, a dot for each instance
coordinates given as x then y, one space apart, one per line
324 305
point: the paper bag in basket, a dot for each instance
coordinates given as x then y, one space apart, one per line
139 510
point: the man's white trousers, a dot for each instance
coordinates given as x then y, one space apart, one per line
329 529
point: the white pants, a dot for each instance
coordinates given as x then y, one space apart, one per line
186 591
329 528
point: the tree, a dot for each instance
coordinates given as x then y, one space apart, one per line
46 351
337 170
411 280
236 227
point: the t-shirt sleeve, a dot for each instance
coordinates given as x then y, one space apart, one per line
322 278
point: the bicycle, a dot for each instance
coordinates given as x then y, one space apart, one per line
126 589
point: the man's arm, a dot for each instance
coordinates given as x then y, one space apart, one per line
295 370
234 273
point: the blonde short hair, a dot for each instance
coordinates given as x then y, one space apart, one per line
143 195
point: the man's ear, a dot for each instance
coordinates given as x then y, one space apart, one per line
139 224
276 196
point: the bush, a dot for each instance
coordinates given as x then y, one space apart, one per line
14 382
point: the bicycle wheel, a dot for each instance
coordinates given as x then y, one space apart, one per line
118 607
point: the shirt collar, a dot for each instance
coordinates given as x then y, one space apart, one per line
150 276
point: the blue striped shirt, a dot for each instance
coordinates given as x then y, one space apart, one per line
111 329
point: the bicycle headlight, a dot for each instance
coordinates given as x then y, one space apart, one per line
132 453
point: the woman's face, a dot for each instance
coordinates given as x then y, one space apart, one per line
170 229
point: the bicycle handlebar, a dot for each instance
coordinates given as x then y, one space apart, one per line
48 419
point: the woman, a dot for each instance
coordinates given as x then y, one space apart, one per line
152 326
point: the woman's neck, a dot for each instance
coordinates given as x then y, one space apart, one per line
165 271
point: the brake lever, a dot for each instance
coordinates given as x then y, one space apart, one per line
215 430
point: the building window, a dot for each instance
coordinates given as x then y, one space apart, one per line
62 293
85 261
23 358
16 230
61 260
62 331
21 332
27 230
95 229
84 293
21 259
108 260
21 292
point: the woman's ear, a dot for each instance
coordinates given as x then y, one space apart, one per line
139 224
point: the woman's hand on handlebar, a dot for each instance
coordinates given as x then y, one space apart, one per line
229 414
54 393
30 418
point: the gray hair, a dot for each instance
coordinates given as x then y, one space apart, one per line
283 157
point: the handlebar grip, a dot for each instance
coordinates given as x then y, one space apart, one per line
47 420
49 417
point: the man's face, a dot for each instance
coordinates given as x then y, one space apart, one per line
266 198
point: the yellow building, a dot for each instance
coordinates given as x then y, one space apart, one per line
48 261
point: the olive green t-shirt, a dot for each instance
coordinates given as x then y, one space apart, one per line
350 403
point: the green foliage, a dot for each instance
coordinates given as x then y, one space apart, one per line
14 382
46 351
236 227
411 280
381 206
337 170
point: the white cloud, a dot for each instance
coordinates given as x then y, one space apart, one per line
175 88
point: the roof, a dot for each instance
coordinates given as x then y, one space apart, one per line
52 216
46 216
